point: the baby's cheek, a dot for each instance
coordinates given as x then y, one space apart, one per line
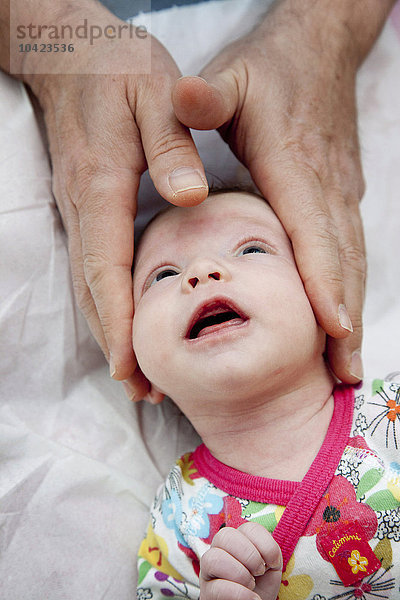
149 347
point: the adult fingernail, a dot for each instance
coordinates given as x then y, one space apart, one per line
112 366
356 366
130 392
344 318
186 178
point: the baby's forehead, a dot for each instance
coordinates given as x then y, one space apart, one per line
220 212
221 207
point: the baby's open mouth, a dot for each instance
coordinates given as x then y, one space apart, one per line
212 317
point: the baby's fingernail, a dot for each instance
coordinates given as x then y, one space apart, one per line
186 178
130 392
112 366
260 570
356 366
344 318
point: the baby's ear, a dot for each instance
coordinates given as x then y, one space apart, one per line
154 396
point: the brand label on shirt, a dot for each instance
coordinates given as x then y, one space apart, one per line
350 553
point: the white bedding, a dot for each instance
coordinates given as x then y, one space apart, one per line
78 462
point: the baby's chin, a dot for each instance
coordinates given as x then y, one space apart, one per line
228 386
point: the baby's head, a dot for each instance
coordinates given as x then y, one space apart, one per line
220 309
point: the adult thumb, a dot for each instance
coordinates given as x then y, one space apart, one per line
206 104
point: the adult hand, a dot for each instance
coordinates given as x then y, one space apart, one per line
283 97
103 132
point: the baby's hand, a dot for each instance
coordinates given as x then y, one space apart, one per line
244 563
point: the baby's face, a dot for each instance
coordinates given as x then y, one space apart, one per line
220 308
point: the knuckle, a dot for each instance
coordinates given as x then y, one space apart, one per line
207 563
323 227
316 224
251 527
80 173
223 537
331 278
90 178
275 554
166 141
357 323
352 256
328 276
94 270
309 151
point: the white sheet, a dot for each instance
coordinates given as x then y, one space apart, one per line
79 463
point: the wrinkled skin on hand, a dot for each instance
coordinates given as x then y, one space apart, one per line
283 97
104 131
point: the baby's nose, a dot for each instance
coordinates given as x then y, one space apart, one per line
204 271
193 281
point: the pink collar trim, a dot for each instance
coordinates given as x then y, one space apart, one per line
300 498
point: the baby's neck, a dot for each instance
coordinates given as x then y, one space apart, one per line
278 437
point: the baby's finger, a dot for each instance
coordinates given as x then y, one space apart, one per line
220 589
268 585
241 547
264 543
219 564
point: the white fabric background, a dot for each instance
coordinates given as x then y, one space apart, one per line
78 462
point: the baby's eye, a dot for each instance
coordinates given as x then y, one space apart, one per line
254 249
163 274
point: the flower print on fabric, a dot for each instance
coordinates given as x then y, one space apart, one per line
393 483
359 401
189 471
389 525
339 506
171 510
175 589
294 587
349 463
154 549
229 516
193 557
144 594
387 401
361 425
353 456
200 507
387 499
357 562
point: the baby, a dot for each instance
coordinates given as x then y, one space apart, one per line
295 491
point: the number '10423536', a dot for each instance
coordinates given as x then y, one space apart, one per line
57 47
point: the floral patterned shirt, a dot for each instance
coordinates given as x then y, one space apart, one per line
354 481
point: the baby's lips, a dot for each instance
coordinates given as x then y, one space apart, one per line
212 307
